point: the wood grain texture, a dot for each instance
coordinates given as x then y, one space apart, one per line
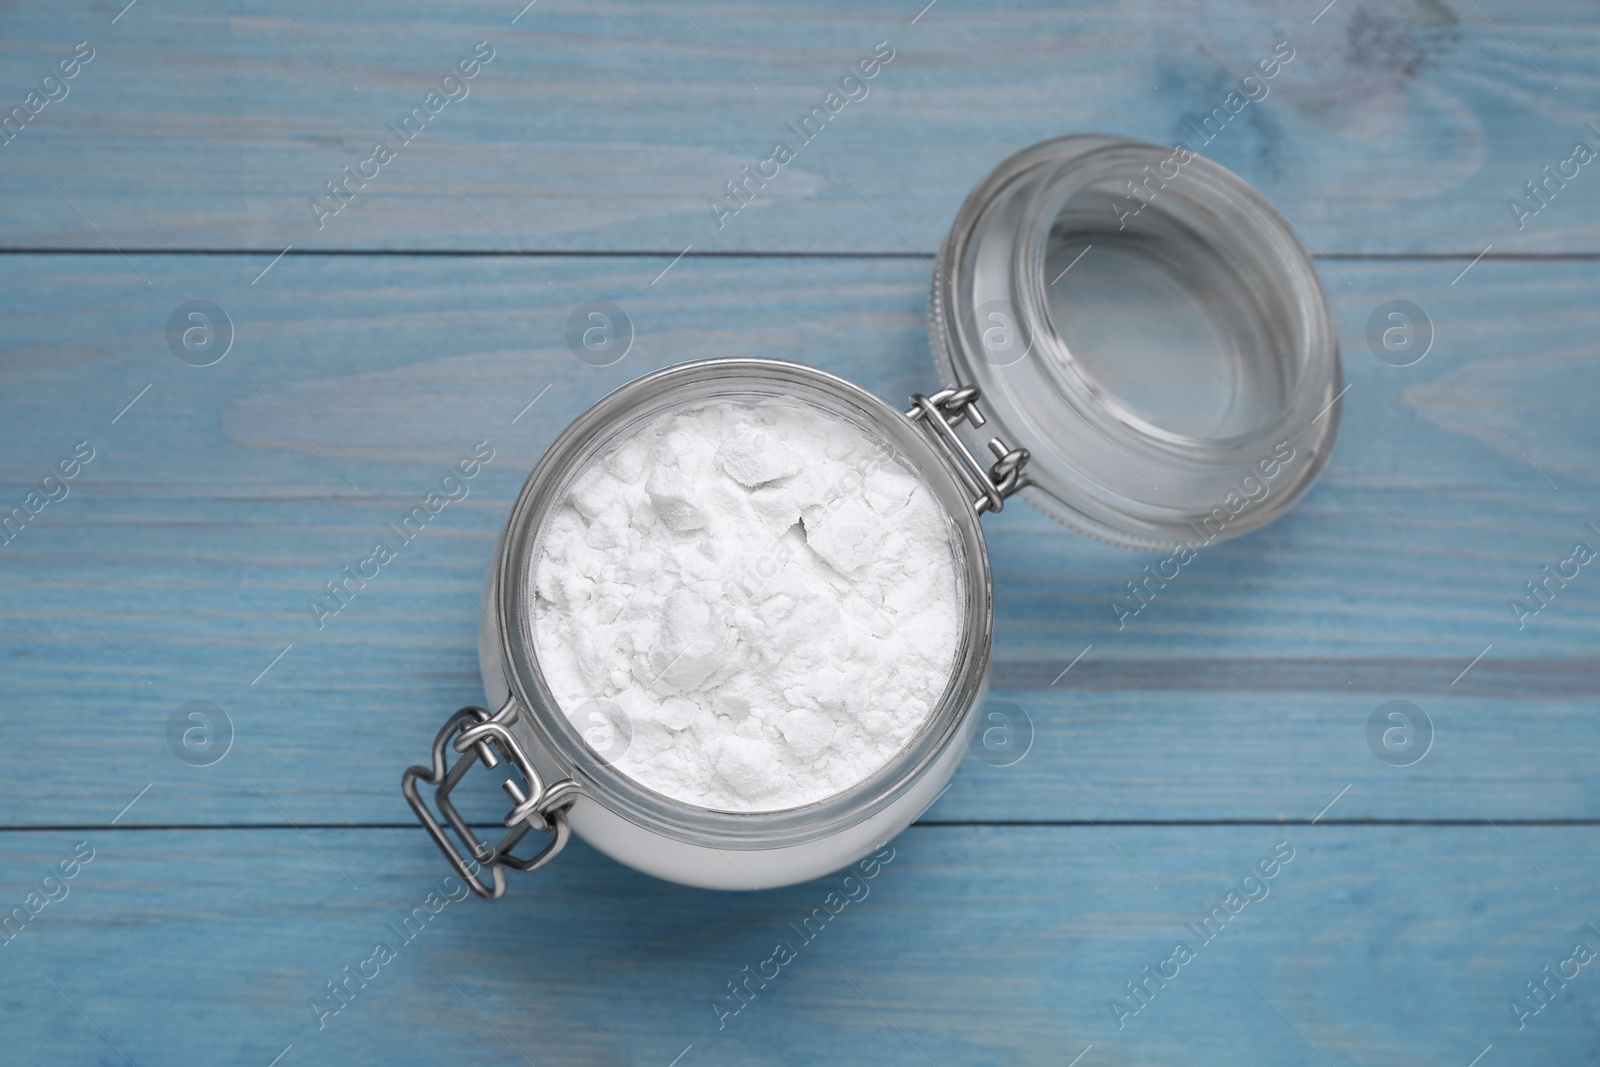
217 507
1401 946
1399 127
1230 715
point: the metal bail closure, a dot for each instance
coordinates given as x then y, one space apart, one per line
479 736
941 413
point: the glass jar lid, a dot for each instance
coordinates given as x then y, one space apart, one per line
1150 328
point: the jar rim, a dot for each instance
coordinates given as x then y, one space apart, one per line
1069 182
543 723
996 252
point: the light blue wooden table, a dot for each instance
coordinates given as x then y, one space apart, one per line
209 907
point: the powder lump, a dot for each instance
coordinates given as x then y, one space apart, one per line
747 606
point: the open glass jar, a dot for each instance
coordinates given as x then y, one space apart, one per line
1180 389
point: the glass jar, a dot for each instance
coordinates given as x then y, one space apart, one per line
571 786
1148 426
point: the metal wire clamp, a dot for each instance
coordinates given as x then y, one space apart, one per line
483 737
941 413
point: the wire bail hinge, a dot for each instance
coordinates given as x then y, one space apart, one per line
945 410
485 738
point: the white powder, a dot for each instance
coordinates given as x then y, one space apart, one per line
747 606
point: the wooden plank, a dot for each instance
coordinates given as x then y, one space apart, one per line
216 507
971 945
612 128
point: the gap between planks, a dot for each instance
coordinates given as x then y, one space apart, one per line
925 824
652 253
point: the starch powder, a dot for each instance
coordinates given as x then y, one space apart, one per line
747 606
